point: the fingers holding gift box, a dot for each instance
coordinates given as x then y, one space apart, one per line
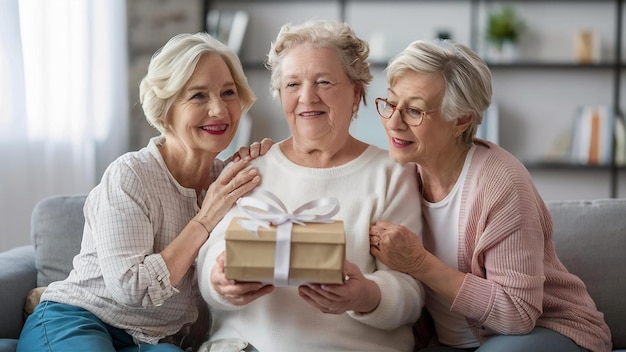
238 293
357 294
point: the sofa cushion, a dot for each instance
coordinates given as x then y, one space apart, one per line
8 344
56 232
590 240
18 276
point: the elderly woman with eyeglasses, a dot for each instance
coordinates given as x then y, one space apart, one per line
319 70
493 280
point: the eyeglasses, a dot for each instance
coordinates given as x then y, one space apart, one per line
410 115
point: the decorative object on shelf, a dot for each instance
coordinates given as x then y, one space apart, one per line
443 34
560 150
503 30
229 27
620 141
587 46
592 140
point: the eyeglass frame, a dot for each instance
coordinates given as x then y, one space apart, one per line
401 111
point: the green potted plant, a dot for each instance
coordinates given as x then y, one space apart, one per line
504 28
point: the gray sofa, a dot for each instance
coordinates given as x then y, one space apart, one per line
590 237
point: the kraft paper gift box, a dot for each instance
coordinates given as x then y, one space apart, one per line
317 253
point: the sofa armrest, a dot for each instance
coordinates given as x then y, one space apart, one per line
18 275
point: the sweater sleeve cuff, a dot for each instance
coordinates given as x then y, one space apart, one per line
160 288
474 295
401 301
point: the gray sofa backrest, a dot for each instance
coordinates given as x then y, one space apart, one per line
589 236
56 232
590 240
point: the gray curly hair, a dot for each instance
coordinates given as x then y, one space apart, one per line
353 51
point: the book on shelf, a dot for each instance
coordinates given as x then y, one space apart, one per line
229 27
620 142
489 128
592 136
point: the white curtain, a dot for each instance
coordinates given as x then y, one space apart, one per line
63 102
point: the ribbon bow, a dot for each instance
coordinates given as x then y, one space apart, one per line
261 214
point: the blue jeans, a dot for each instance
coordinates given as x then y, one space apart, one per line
538 340
64 328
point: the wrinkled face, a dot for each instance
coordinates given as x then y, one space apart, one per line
429 140
317 95
205 115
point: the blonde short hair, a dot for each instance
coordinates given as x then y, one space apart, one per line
171 67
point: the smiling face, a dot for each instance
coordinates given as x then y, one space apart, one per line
317 96
206 112
435 136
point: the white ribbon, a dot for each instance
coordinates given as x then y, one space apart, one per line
262 214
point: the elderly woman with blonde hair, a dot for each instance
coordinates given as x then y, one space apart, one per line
133 286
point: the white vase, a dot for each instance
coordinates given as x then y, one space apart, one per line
507 52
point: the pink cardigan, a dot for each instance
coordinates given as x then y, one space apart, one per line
505 243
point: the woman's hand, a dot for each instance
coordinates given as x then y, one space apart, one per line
234 182
235 292
255 149
357 294
397 247
401 250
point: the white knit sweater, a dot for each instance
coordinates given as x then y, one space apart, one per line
369 188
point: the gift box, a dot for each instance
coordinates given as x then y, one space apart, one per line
316 253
